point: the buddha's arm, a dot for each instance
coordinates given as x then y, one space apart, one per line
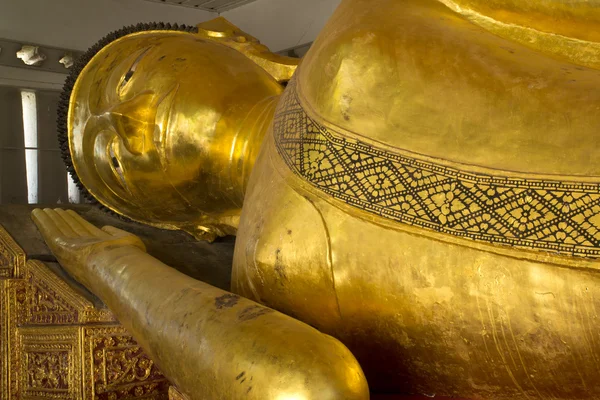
210 343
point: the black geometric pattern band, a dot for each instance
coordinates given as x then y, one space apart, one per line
545 215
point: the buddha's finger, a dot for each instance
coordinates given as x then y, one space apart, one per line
73 224
77 219
132 239
45 224
60 223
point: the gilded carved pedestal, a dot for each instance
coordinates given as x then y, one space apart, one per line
56 343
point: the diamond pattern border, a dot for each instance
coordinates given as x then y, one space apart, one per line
548 215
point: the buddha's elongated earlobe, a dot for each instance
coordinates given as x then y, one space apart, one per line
281 68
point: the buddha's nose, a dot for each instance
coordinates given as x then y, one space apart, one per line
134 121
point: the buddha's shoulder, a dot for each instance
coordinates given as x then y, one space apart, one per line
419 78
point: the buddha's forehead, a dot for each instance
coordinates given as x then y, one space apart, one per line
160 52
159 58
168 44
107 67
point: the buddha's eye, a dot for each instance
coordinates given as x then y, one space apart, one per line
127 77
115 164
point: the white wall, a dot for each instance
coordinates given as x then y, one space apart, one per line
78 24
283 24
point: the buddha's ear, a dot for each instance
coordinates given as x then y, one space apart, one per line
281 68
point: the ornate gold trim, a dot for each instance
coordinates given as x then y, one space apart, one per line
47 347
539 214
12 257
50 361
115 366
4 338
50 300
14 300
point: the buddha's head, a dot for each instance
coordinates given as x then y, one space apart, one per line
163 123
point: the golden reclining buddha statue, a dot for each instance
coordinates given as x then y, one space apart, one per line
424 188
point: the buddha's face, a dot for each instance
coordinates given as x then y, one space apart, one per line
162 126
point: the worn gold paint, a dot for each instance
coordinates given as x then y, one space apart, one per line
467 92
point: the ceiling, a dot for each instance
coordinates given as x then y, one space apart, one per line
207 5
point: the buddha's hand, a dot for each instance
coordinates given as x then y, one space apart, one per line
74 241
